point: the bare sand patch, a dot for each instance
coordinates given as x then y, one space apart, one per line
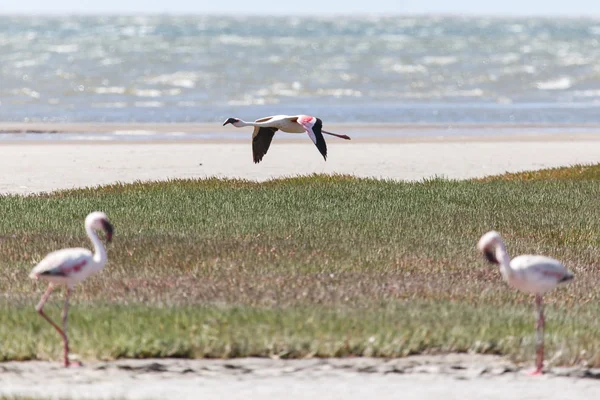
453 376
32 167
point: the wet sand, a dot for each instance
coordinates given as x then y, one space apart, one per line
454 376
33 167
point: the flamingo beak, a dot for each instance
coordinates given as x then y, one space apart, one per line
108 228
229 121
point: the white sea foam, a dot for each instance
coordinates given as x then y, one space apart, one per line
64 48
396 38
149 104
437 94
180 79
281 89
26 63
555 84
519 69
466 93
339 92
240 40
506 58
31 93
587 93
116 104
408 68
111 61
109 90
250 100
440 60
569 59
147 92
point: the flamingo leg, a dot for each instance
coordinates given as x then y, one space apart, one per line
65 314
539 339
336 134
40 309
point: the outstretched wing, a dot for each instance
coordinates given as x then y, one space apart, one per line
261 140
313 127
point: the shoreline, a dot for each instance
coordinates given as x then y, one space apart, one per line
136 134
374 131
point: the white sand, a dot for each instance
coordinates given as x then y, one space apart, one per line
461 376
31 168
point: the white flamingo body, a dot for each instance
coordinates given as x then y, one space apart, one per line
70 266
285 123
66 266
536 274
529 273
265 128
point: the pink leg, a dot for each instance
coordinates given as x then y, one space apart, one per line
539 326
64 321
40 309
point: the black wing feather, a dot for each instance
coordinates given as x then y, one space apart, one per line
53 272
321 145
261 143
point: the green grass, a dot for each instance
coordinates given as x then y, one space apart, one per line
313 266
573 173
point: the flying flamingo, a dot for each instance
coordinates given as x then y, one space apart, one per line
265 128
70 266
528 273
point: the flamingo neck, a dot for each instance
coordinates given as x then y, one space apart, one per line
99 257
243 123
504 259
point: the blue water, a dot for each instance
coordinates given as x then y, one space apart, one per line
394 69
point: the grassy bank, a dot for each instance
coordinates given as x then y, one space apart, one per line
314 266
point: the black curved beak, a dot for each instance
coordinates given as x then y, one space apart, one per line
108 228
229 121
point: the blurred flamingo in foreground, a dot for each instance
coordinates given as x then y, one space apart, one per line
70 266
530 274
265 128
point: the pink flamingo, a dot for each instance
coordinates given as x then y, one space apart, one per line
265 128
70 266
530 274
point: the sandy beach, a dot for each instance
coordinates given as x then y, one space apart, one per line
33 167
454 376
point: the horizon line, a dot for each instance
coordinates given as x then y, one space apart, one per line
299 14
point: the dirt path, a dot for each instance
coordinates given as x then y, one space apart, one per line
455 376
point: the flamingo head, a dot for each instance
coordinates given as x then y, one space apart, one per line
233 121
99 221
487 245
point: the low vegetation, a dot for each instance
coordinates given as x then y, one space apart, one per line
314 266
